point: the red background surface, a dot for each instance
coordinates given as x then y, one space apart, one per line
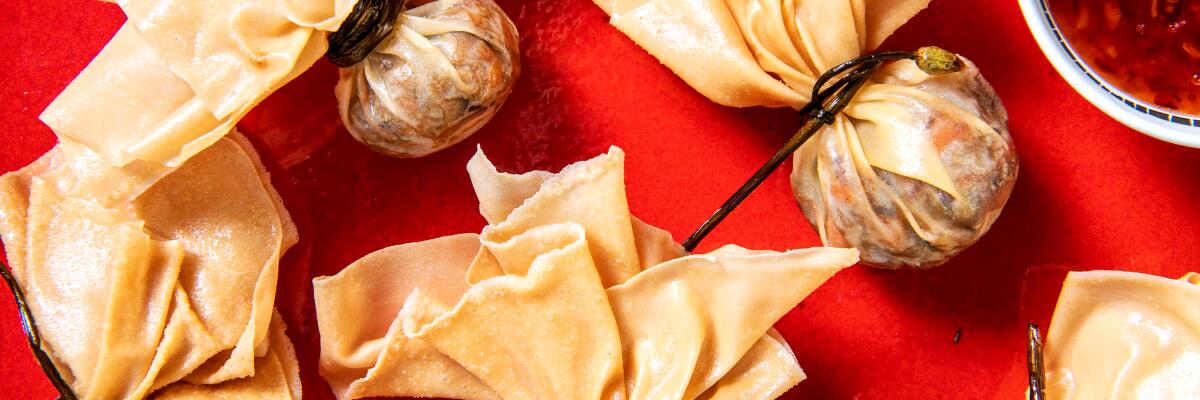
1092 194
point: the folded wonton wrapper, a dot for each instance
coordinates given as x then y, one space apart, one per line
914 171
180 73
564 295
731 51
276 375
177 285
1125 335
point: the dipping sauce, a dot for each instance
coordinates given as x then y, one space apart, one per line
1148 48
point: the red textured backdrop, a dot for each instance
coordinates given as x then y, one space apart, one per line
1091 194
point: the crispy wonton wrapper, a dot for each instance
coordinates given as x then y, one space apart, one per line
180 73
1125 335
149 245
276 375
177 285
564 295
917 167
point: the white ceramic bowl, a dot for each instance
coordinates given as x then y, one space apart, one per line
1164 124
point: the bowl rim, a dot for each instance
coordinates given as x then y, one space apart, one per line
1165 125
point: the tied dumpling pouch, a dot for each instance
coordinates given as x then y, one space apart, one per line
914 171
444 71
917 168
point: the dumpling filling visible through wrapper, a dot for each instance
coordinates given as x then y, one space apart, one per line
441 75
169 294
915 170
564 295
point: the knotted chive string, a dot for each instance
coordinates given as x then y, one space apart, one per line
825 104
367 25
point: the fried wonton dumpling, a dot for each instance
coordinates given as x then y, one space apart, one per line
917 167
1124 335
565 295
180 73
175 285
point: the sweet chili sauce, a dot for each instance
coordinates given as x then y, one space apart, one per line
1148 48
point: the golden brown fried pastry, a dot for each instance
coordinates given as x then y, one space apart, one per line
914 171
440 76
564 295
176 285
1124 335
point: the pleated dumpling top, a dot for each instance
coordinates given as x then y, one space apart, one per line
564 295
171 293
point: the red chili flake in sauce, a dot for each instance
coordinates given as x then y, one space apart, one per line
1148 48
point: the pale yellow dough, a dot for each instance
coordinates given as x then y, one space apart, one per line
177 284
564 295
276 375
685 323
146 229
180 73
767 371
365 357
1124 335
732 50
